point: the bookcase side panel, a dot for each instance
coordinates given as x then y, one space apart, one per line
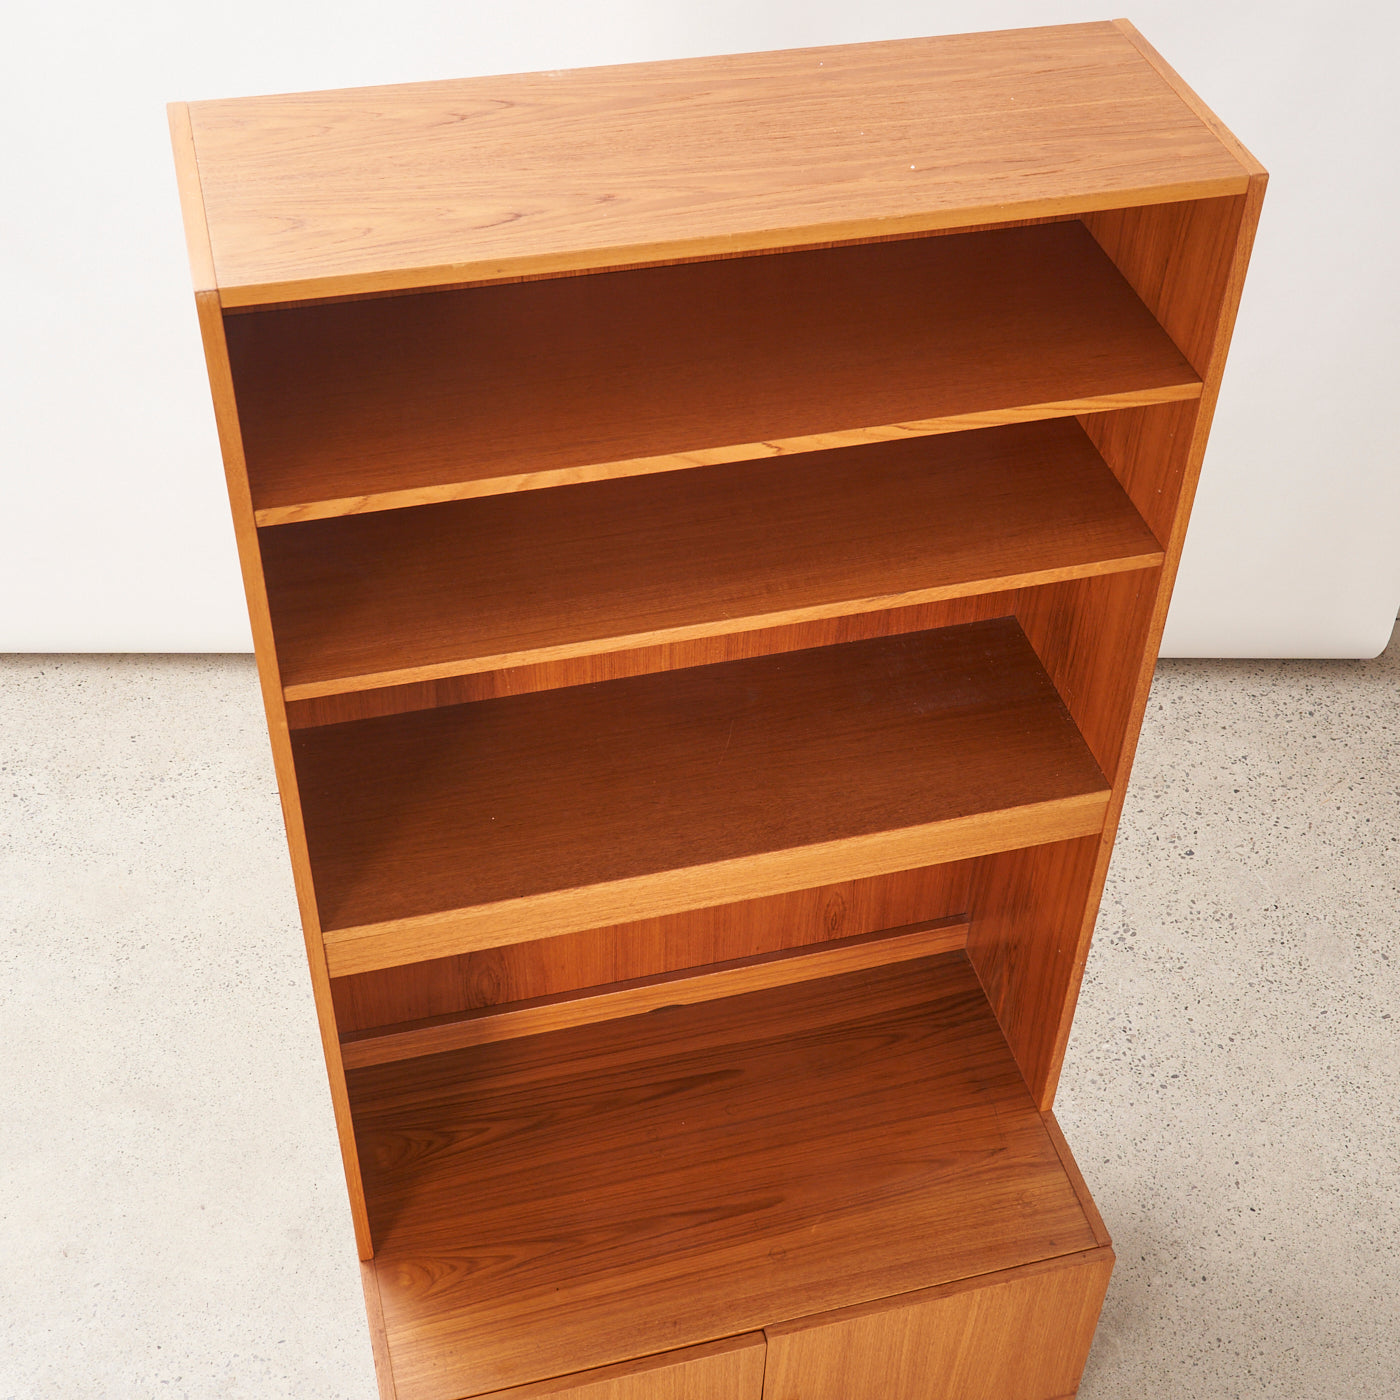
1033 912
1028 904
211 327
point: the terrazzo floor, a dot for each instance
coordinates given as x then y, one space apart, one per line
172 1221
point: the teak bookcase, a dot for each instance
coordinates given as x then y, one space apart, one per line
707 528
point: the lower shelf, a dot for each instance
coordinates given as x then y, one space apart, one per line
580 1199
511 820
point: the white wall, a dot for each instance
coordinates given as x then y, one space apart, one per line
113 532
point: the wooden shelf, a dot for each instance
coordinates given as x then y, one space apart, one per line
477 825
392 402
547 1205
472 586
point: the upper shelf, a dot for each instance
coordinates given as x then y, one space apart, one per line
390 402
540 576
378 189
508 820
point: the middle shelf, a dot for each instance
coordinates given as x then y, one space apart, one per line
501 821
471 586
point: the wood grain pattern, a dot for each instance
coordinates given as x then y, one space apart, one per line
448 827
1174 256
722 933
1022 1334
333 193
362 406
541 1206
644 994
727 1370
416 595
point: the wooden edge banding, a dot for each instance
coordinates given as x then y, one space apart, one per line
396 942
638 995
718 456
667 1360
804 247
211 325
197 245
919 1296
378 1333
1076 1179
444 276
845 607
1219 130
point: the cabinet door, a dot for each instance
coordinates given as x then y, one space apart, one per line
727 1370
1019 1335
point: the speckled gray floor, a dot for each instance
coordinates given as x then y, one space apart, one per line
171 1209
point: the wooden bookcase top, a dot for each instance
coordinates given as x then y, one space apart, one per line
364 190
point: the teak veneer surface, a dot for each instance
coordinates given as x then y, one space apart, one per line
568 809
547 1205
432 1035
392 402
1020 1334
370 189
719 933
473 586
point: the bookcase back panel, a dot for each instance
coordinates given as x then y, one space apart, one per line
496 976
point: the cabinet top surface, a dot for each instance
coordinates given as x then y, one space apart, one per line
430 184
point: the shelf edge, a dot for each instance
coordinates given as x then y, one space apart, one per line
396 942
445 276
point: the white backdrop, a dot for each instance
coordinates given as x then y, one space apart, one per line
113 534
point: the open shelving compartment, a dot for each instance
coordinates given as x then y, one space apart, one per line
704 645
